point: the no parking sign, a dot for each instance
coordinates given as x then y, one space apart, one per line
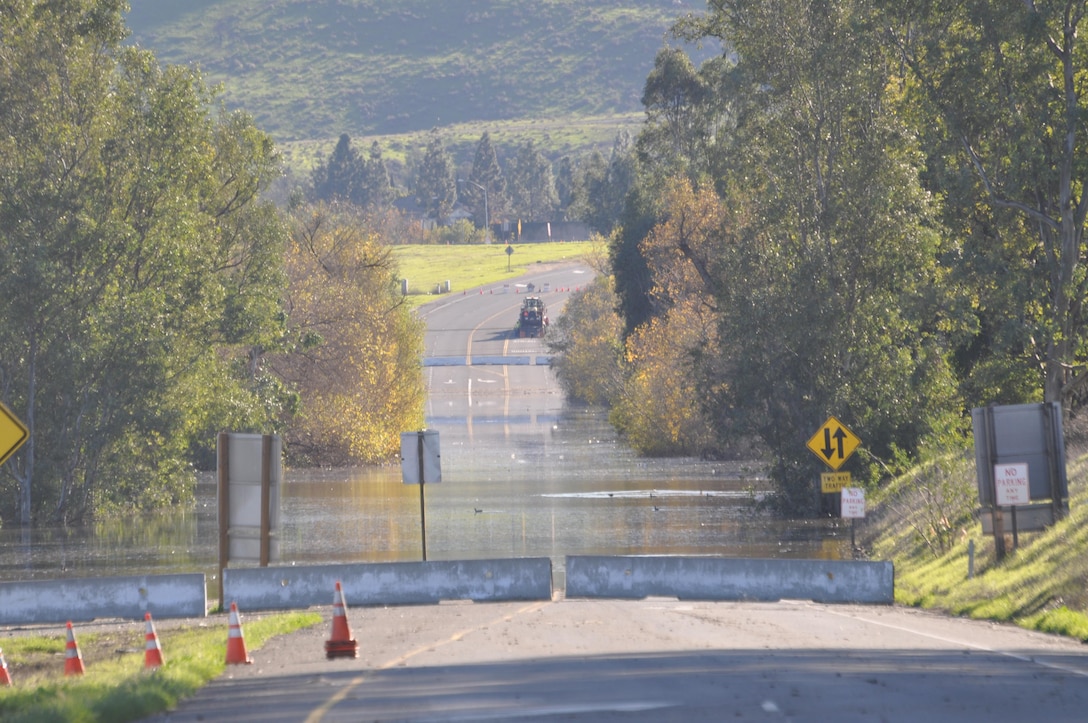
852 503
1011 484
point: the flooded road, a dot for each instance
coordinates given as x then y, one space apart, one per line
523 474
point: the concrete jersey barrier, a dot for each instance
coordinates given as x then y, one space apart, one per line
83 599
393 583
714 578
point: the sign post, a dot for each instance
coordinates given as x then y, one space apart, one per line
419 464
250 478
833 443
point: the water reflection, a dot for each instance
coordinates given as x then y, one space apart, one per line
543 485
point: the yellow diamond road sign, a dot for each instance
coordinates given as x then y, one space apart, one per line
12 433
833 443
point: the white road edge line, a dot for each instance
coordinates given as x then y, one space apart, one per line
953 641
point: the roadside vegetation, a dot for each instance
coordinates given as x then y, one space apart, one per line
116 687
155 296
924 521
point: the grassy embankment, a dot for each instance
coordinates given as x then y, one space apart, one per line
116 687
466 267
1043 585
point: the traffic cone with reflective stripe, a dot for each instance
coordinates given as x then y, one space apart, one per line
340 644
236 644
152 649
5 677
73 659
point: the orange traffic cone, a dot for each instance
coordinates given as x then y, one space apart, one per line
152 649
5 677
236 644
73 659
341 644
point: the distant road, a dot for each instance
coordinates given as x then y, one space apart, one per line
476 365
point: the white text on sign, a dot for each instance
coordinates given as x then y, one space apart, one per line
1011 484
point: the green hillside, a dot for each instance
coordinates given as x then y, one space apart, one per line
309 70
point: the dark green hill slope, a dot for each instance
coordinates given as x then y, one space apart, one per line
308 70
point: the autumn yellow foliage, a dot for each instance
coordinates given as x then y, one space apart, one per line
355 361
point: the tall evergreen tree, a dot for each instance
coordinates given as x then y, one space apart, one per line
436 182
341 177
532 185
565 185
377 190
485 192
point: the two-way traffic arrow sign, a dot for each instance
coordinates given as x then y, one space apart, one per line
833 443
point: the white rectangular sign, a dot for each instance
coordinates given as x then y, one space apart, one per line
1011 484
410 451
852 503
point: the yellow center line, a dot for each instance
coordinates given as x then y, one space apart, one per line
319 713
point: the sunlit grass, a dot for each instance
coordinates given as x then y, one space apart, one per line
1042 585
469 266
116 687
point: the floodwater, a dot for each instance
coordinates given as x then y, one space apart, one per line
551 485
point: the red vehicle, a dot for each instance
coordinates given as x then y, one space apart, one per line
533 318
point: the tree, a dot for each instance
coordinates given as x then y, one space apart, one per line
565 185
348 177
826 279
672 96
137 262
1004 85
602 185
586 340
356 347
341 177
485 191
377 186
436 182
531 185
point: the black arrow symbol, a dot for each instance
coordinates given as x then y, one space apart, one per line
839 435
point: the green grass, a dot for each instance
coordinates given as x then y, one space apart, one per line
467 267
1042 585
116 687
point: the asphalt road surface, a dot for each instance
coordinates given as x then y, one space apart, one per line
654 660
476 365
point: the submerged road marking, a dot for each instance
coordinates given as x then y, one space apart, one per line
319 713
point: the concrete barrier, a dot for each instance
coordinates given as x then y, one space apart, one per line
82 599
715 578
394 583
